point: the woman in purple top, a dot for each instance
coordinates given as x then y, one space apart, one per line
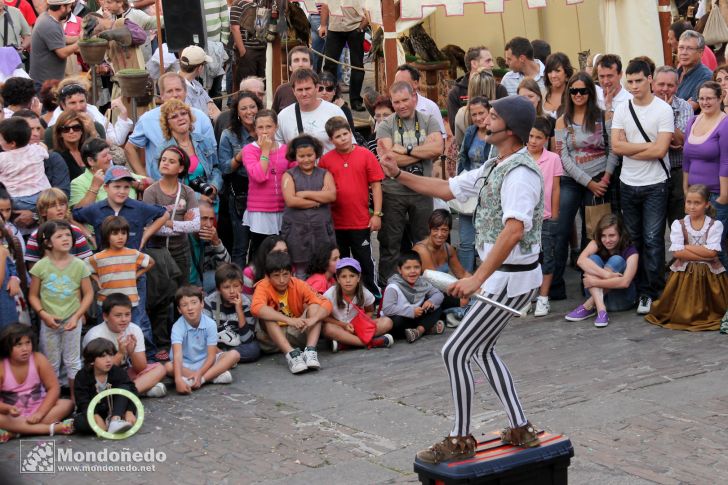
705 154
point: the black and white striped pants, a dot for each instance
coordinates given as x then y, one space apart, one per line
474 340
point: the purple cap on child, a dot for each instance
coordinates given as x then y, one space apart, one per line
348 263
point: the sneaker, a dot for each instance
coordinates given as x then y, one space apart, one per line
385 341
228 337
542 307
602 320
310 357
452 320
580 313
335 346
451 448
159 390
224 378
525 310
295 362
119 426
644 307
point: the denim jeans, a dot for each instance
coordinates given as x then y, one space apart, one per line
142 318
548 235
241 235
643 210
466 251
721 214
572 198
621 299
317 42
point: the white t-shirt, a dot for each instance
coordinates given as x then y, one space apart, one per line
102 331
347 313
314 123
622 97
520 193
428 106
655 118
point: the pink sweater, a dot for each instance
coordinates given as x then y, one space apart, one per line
264 189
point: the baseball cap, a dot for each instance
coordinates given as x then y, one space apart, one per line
348 263
194 56
117 172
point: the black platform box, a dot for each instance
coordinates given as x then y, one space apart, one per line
497 463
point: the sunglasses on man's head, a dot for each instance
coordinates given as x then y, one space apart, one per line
70 128
575 91
329 89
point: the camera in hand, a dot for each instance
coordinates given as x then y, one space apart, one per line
415 169
202 187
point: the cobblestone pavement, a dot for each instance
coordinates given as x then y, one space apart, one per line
641 405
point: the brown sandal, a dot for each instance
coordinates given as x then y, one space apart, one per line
451 448
411 334
524 436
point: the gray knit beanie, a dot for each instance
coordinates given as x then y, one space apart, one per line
518 113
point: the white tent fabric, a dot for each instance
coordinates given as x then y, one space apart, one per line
632 28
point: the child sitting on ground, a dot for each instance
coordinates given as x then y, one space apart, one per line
195 358
231 311
29 389
99 373
410 301
290 314
22 164
609 263
349 298
128 339
322 268
255 271
696 293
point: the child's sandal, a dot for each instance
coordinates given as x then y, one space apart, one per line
411 334
64 427
439 327
6 436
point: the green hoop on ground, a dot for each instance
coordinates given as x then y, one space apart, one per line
115 436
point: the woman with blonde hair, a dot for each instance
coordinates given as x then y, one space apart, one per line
481 84
178 124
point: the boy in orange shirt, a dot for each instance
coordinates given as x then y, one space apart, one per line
290 314
117 268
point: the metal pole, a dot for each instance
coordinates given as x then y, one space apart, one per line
94 94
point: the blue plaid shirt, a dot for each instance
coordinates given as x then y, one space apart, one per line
682 111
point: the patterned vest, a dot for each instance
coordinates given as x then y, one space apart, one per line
489 213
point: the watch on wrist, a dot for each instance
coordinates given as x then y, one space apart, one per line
378 214
409 149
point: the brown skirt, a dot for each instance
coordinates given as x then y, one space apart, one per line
693 300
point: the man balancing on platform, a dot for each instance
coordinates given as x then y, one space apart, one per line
508 235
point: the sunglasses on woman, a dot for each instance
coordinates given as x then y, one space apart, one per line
575 91
328 89
70 128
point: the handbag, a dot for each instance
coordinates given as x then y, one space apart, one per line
716 30
593 214
21 306
364 326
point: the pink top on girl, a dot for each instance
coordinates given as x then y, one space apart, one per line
27 396
264 188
